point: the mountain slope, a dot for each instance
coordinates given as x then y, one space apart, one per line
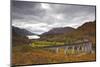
55 34
87 30
61 30
20 31
18 39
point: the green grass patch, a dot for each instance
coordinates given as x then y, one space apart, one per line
45 43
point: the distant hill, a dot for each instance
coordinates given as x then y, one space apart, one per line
64 34
87 30
17 38
22 32
60 30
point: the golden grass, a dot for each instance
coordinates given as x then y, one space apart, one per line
44 57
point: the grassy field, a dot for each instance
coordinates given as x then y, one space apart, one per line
23 55
45 43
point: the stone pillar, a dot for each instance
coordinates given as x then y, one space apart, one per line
78 47
73 49
89 47
86 49
65 50
82 48
57 50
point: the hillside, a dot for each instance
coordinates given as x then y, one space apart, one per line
60 30
22 32
87 30
17 38
55 33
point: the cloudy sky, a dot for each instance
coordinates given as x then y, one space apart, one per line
41 17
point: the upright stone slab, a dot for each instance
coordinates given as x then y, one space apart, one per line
65 50
73 49
57 50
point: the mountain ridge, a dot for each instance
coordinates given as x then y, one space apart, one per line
22 32
60 30
87 30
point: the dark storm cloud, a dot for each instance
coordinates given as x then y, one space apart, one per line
40 17
26 11
72 12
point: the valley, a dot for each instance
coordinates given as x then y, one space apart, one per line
33 51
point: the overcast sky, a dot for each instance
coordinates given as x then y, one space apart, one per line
41 17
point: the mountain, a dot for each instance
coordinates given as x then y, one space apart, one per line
85 31
60 30
18 39
20 31
65 34
55 34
